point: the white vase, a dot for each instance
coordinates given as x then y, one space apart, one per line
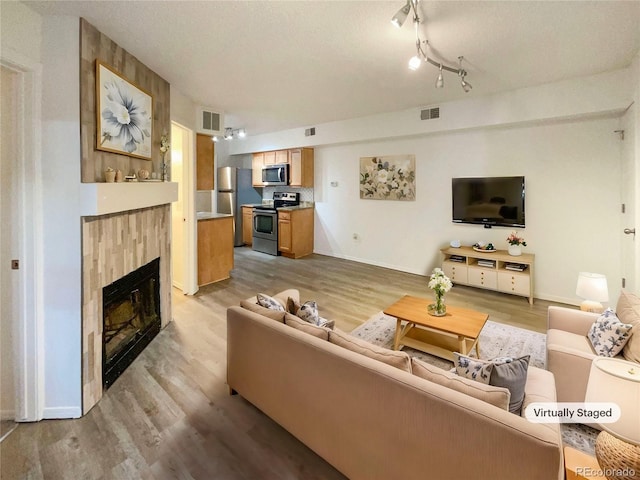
515 250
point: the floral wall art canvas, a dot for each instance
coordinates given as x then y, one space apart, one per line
124 115
388 178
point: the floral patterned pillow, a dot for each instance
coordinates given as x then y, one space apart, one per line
269 302
608 334
308 312
472 368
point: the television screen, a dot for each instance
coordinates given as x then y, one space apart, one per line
489 200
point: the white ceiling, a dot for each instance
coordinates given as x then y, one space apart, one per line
274 65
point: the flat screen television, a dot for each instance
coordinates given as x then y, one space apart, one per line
488 201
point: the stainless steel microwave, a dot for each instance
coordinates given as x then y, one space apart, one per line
275 174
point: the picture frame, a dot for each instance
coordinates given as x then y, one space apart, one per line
124 114
390 177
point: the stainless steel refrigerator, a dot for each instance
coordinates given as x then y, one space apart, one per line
235 190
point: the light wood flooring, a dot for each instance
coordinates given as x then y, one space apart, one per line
169 416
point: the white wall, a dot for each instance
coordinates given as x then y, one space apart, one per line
21 30
61 213
572 200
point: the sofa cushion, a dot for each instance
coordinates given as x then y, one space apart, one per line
628 311
299 324
507 372
269 302
472 368
252 305
391 357
608 334
497 396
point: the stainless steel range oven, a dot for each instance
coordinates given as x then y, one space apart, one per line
265 222
265 230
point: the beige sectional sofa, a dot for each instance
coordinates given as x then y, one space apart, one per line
343 398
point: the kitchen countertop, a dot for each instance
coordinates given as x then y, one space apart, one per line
298 207
211 215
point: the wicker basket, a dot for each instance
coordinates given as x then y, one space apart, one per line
618 459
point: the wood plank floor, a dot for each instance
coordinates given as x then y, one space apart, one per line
169 416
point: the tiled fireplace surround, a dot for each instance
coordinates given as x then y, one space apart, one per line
112 246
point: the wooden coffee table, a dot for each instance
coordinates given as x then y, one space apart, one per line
457 331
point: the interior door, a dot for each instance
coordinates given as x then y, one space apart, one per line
9 249
629 182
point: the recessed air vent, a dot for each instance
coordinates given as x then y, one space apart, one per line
430 113
309 132
210 121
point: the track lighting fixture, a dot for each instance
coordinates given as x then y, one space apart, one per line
231 133
401 16
440 80
414 63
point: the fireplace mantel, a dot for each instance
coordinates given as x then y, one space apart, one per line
105 198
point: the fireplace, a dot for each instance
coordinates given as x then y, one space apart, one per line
131 318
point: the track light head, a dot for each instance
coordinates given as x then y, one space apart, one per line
228 133
440 79
242 133
466 86
401 15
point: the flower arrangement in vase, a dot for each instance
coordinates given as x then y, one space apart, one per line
440 284
515 243
164 148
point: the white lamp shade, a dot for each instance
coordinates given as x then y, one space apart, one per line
617 381
592 286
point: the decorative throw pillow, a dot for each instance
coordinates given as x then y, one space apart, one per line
608 334
308 312
292 305
507 372
628 311
511 373
472 368
269 302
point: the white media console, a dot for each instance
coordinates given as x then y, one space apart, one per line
496 270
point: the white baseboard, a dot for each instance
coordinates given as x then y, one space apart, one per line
369 262
51 413
543 296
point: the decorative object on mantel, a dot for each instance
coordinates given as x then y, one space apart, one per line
164 148
388 178
109 175
124 114
143 174
440 284
119 176
514 244
130 178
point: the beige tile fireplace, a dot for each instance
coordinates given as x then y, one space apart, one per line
114 245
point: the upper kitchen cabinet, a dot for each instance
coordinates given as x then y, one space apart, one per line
301 167
276 158
204 162
256 169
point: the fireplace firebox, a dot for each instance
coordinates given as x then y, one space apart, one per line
131 318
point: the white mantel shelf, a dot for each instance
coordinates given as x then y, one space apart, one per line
105 198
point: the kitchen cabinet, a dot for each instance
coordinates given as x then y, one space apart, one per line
295 232
204 162
276 157
247 225
215 249
256 169
301 167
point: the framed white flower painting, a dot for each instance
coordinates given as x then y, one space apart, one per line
388 178
124 115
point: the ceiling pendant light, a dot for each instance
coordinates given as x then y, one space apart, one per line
401 15
440 80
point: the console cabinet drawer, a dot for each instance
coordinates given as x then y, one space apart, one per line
483 277
456 271
514 283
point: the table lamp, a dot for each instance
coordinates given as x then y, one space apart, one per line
592 287
618 445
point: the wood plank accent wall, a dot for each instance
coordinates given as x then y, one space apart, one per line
94 44
113 246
